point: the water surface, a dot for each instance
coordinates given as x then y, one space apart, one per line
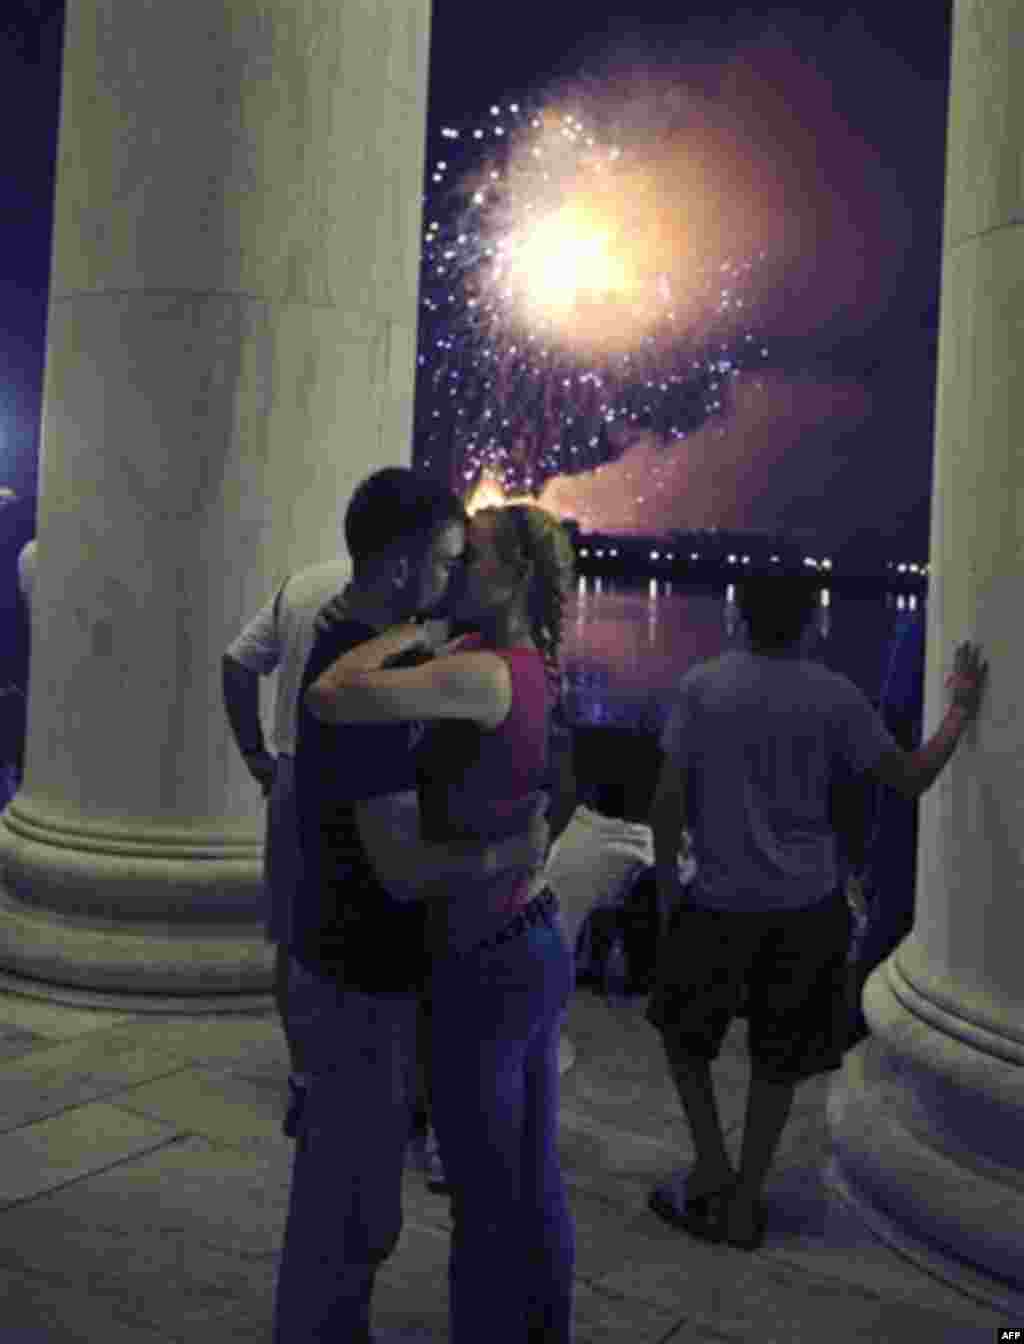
626 645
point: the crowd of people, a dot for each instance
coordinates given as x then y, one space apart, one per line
423 770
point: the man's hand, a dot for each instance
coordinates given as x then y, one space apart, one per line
262 765
332 612
968 678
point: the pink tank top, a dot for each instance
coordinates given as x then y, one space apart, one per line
478 786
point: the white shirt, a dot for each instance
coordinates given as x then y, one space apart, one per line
285 645
595 861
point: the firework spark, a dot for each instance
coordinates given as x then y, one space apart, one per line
567 300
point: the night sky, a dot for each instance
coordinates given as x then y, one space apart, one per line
828 137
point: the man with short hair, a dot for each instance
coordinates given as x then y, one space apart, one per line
359 933
748 754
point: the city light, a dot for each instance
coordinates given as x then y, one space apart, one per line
647 552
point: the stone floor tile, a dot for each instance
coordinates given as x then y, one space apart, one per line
62 1148
17 1041
775 1304
619 1056
417 1273
806 1131
411 1297
616 1244
665 1270
628 1146
46 1310
217 1041
601 1317
71 1072
239 1112
814 1231
187 1236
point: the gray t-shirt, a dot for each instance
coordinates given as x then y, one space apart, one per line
757 737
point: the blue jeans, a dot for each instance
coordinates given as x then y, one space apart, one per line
345 1207
495 1017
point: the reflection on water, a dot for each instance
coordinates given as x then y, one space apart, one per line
626 644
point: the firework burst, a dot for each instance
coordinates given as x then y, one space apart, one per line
567 299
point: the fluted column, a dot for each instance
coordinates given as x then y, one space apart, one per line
928 1116
231 348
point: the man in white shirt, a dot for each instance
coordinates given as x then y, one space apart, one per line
279 638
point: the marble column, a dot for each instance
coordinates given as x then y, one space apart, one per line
928 1116
231 349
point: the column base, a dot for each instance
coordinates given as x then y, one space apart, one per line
925 1120
142 922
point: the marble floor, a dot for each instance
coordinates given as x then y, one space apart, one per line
144 1185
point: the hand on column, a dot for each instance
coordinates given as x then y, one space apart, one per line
968 678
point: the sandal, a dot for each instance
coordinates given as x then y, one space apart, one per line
756 1239
703 1216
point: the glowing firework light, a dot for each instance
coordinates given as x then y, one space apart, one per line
564 305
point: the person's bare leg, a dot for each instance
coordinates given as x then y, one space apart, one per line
692 1076
768 1107
282 962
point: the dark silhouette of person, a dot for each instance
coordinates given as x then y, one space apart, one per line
892 848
